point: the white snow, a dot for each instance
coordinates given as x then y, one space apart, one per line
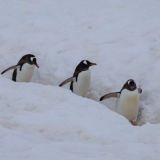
39 120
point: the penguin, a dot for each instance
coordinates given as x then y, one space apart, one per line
128 100
23 71
80 82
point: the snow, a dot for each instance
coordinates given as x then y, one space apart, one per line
39 120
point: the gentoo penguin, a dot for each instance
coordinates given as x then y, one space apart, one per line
128 100
80 82
23 71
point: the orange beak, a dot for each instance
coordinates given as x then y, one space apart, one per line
93 64
36 65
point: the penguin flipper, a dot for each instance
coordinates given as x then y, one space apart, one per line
139 90
110 95
12 67
71 79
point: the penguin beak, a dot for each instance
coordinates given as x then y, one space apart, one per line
93 64
36 64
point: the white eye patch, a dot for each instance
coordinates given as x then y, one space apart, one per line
129 82
85 62
32 59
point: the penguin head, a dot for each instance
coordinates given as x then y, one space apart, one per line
131 85
31 59
85 64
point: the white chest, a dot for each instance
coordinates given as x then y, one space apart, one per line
82 85
128 104
25 74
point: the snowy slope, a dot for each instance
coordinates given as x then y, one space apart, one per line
40 120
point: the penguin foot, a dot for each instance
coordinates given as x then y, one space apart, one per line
133 123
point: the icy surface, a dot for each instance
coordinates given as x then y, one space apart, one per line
39 120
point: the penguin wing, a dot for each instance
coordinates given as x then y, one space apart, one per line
71 79
139 90
12 67
110 95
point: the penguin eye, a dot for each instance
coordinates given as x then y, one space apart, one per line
85 62
32 59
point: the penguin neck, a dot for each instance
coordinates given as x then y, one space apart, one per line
82 72
27 66
128 93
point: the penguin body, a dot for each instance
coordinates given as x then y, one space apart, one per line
82 85
26 73
128 104
128 100
80 82
24 69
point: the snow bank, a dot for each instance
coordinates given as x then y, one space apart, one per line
40 121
